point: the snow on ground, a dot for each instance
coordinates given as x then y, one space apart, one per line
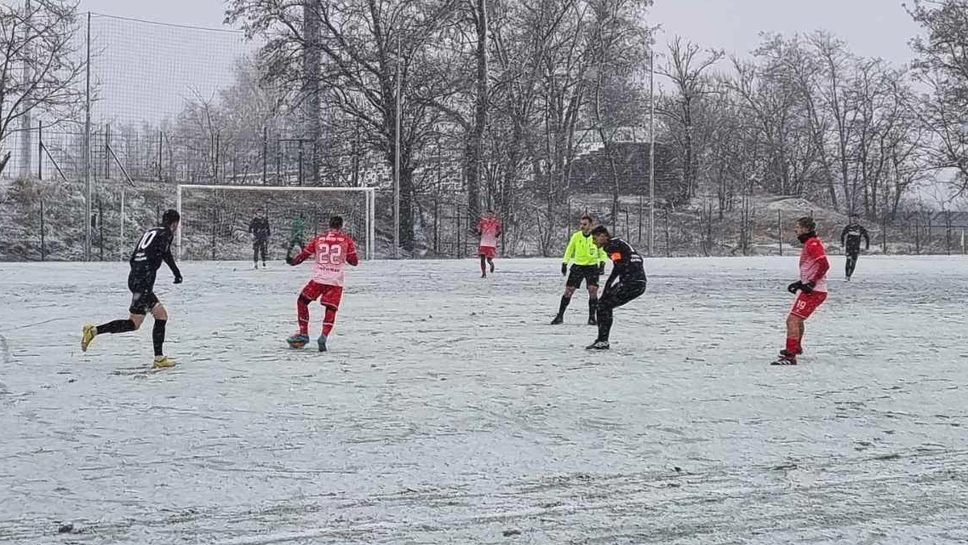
449 411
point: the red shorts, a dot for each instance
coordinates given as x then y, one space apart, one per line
807 303
329 296
487 251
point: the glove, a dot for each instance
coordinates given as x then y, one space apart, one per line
794 287
807 288
564 269
601 268
178 280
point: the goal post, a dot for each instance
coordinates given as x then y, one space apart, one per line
368 212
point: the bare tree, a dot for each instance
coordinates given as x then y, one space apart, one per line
942 66
39 65
687 70
364 45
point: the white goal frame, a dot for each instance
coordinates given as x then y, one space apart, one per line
369 192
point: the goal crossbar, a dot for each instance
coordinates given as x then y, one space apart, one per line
369 192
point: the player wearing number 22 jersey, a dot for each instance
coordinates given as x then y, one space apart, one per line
331 252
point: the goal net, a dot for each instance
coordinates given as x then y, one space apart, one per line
216 219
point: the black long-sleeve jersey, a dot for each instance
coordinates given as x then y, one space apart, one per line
851 235
259 227
154 247
627 264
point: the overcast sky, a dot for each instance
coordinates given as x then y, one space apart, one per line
872 27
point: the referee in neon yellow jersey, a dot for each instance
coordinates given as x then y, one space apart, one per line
588 264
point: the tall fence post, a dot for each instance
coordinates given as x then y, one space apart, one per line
121 236
917 232
214 228
107 151
43 241
457 250
884 233
437 222
40 150
279 162
265 155
100 229
779 230
300 160
668 249
947 234
639 242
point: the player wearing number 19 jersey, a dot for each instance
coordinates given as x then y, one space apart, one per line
154 247
331 251
810 289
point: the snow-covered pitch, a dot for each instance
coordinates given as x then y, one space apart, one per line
449 411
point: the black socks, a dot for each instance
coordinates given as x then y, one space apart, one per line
564 305
117 326
158 336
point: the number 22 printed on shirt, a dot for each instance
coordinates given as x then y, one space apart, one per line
329 254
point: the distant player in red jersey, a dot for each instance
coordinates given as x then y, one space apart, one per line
812 288
331 252
489 228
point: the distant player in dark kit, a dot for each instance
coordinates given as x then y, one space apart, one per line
259 229
628 269
331 252
810 289
489 229
589 264
153 247
850 240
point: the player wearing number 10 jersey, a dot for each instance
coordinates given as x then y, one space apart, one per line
154 247
331 251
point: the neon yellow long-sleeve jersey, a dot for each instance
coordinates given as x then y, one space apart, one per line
582 250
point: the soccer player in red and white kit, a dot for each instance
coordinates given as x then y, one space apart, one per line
489 228
331 252
812 288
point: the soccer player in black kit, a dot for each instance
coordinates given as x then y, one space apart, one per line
850 240
628 269
153 247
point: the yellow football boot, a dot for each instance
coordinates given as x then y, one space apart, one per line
88 332
163 362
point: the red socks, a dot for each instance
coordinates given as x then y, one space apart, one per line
302 309
328 321
792 346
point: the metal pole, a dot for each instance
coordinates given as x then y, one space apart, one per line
43 243
100 229
779 230
300 157
178 206
40 150
161 136
121 242
371 244
265 154
396 156
87 146
651 151
107 151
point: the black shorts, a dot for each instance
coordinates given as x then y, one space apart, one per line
588 273
141 284
621 293
142 301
